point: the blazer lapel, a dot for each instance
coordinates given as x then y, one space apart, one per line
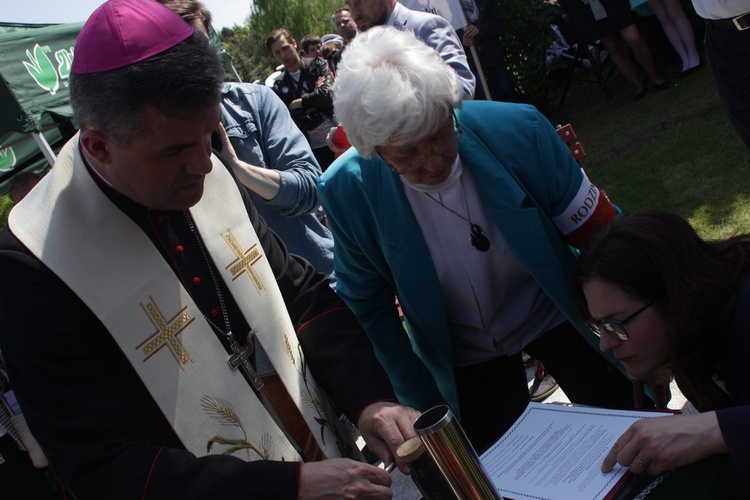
406 251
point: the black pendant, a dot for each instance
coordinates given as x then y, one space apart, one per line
478 239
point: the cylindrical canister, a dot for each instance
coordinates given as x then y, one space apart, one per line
454 455
424 472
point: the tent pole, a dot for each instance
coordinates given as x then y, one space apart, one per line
227 59
236 75
45 148
480 72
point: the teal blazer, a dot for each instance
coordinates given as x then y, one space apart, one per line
525 175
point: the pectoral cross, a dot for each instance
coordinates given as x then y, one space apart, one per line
240 359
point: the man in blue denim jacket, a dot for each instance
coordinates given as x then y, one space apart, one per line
264 137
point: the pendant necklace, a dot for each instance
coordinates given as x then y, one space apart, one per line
477 238
240 357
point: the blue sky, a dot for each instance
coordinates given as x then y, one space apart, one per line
226 13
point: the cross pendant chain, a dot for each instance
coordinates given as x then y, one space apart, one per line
240 359
240 354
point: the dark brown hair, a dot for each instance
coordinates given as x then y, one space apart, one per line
658 257
308 41
276 35
190 10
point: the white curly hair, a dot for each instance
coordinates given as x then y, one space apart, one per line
392 89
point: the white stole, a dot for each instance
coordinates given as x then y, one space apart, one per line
105 258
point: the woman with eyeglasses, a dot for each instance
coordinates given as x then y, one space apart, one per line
466 212
658 295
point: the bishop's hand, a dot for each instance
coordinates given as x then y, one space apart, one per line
343 478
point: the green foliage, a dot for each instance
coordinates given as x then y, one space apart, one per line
526 36
301 17
5 205
249 56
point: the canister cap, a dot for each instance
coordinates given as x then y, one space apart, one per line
410 450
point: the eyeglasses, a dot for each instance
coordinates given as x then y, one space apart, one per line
410 159
613 328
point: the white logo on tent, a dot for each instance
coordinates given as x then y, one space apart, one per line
43 71
7 159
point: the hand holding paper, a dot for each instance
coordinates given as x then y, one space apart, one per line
666 443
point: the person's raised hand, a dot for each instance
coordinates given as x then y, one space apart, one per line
385 426
265 182
343 478
470 31
659 444
227 152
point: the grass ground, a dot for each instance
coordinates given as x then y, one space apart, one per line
673 149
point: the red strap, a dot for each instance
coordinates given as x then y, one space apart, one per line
308 322
150 472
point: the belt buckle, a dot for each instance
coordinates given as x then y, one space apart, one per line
738 25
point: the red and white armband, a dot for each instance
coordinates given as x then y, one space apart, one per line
587 213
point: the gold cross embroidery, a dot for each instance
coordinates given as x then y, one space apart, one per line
244 261
166 333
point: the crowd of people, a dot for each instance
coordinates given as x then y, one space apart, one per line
177 322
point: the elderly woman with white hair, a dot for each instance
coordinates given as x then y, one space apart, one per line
468 217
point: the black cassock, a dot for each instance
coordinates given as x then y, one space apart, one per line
103 433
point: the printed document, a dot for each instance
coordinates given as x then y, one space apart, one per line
555 452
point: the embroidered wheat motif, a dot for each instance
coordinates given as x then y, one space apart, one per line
223 412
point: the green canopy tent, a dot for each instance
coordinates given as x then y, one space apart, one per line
35 114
